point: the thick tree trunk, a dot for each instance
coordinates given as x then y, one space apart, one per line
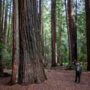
87 5
53 32
15 59
30 66
72 32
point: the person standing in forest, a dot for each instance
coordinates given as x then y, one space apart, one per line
78 72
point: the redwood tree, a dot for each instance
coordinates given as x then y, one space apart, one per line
53 32
72 31
87 5
15 55
30 65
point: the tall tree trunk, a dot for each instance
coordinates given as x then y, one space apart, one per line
5 21
30 66
53 32
40 28
66 12
15 59
1 37
41 31
87 5
72 31
9 22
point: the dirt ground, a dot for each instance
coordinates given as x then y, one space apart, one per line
57 80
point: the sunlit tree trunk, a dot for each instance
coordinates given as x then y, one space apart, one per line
9 23
87 5
30 65
15 59
72 31
5 15
39 32
53 32
40 28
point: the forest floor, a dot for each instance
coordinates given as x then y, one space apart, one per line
56 80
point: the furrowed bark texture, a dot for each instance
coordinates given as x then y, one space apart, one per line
30 66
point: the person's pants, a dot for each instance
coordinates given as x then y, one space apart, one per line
77 77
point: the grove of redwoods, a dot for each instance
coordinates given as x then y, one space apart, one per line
39 34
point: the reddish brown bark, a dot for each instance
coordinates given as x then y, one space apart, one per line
72 31
15 59
30 66
53 32
87 5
